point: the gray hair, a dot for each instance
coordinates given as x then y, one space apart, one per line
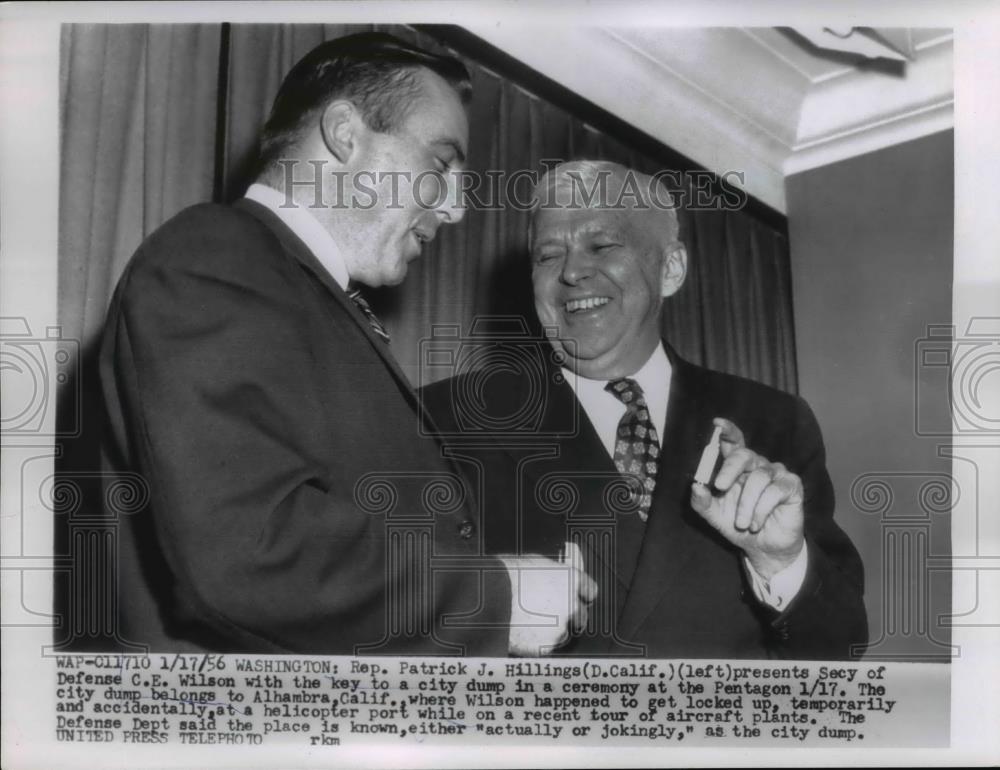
585 184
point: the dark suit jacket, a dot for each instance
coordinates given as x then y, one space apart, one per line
673 587
293 504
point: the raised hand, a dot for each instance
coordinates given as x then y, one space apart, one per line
758 505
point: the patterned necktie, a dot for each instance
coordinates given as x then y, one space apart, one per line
637 447
366 309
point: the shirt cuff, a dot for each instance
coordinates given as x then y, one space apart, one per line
779 591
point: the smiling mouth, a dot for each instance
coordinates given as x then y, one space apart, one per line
587 303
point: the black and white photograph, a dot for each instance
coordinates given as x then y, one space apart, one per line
598 384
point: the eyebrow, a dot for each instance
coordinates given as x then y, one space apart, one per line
589 231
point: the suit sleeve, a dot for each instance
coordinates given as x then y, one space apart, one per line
826 619
267 543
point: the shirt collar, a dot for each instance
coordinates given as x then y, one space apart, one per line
308 229
604 409
651 376
655 372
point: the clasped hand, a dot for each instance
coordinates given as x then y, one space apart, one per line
550 600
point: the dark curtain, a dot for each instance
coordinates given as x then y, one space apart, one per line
155 118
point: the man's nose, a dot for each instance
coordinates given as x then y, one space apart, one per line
576 267
451 209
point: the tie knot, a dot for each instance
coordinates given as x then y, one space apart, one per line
626 390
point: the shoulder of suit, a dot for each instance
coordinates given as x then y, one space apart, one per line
211 225
732 388
210 236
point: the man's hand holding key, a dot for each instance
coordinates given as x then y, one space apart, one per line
760 505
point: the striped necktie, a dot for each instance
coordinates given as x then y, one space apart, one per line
366 309
637 447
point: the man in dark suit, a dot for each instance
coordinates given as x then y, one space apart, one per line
293 504
738 558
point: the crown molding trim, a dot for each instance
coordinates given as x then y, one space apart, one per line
673 109
854 113
861 112
874 136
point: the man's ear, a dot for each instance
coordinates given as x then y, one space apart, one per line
338 127
674 269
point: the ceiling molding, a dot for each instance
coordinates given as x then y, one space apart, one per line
751 101
775 51
654 97
872 137
859 112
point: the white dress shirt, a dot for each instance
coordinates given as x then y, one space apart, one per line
300 221
605 411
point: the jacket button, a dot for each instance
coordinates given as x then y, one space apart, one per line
466 529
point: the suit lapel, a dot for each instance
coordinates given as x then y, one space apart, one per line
667 553
294 246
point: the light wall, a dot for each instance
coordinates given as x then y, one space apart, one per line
872 255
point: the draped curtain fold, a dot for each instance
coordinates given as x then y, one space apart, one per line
159 117
138 113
